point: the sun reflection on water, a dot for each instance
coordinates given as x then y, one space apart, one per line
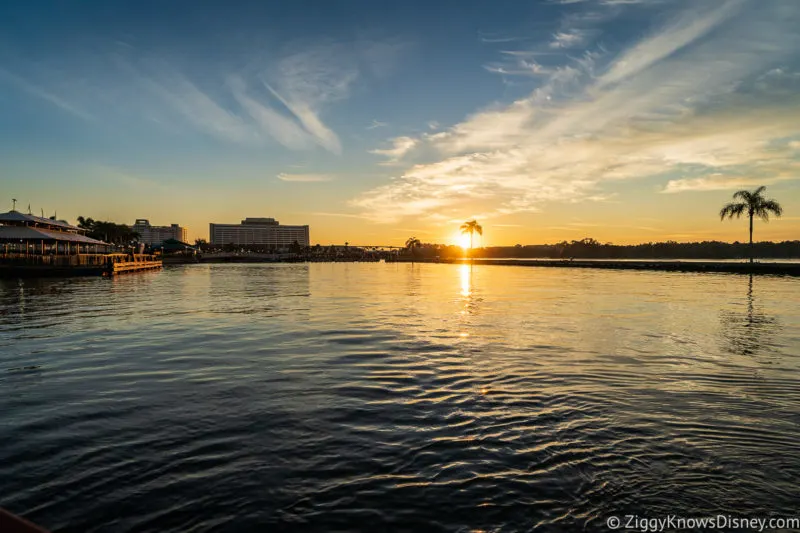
466 280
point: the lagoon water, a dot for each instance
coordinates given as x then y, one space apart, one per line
357 396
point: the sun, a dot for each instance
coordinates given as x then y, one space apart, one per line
462 240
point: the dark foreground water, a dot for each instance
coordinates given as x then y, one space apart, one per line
382 397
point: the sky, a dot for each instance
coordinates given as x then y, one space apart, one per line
546 120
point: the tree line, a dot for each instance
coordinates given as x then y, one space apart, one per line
109 232
590 248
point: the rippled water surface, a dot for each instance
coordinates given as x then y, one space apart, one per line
382 397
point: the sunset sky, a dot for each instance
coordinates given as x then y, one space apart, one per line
372 121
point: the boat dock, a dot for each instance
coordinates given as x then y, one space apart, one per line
32 246
124 263
22 265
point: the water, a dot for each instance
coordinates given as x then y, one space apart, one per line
396 397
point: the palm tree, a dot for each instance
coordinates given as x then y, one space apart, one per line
754 204
471 227
412 244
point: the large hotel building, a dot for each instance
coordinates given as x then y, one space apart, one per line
263 231
154 235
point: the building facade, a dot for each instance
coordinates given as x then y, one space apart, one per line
154 235
266 232
41 240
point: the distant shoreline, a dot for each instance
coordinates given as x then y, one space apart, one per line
662 265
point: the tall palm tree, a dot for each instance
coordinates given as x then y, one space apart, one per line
754 204
471 227
412 244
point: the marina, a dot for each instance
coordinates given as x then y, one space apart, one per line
35 246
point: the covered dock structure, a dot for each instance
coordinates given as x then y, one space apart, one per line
29 243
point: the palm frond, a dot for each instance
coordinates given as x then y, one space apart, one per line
479 229
766 207
773 206
742 195
471 226
733 210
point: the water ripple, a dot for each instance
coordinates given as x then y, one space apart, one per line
392 396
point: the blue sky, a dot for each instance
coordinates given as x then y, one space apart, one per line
627 120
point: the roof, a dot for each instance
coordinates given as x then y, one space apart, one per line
16 216
9 233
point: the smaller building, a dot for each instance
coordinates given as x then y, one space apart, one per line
38 245
155 235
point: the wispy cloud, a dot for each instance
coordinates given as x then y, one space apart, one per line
377 124
400 147
487 37
45 94
568 39
253 101
344 215
261 112
305 178
607 2
680 102
720 182
682 31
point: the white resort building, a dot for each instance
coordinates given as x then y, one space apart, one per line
259 231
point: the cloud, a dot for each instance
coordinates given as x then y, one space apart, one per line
310 122
679 104
305 178
681 32
260 112
344 215
377 124
607 2
720 182
568 39
400 147
500 38
198 108
45 94
252 101
519 67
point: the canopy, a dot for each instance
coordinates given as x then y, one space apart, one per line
27 233
15 217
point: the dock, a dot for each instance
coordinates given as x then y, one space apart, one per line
32 246
126 263
27 266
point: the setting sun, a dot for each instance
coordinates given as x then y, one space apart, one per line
461 239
